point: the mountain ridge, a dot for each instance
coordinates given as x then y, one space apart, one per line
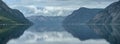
46 23
11 16
76 23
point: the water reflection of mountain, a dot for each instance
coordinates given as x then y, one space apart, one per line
33 36
8 32
109 32
40 28
104 23
83 32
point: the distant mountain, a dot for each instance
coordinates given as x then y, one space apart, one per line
11 16
45 11
47 23
76 23
109 17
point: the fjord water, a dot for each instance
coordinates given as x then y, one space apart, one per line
52 35
8 32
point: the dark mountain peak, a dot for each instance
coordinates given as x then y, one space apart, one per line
4 6
83 8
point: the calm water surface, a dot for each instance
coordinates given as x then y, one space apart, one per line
46 35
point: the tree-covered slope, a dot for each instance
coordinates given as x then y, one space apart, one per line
11 16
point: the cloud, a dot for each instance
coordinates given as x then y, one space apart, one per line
73 3
46 11
49 7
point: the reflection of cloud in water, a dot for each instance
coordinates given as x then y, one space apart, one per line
52 38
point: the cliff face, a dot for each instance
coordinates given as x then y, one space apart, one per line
107 23
11 16
109 15
76 23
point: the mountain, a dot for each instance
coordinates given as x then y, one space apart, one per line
47 23
109 17
76 23
11 16
81 16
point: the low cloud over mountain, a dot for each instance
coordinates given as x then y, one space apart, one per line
63 7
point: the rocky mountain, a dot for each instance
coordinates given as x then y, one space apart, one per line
47 23
110 15
76 23
107 23
11 16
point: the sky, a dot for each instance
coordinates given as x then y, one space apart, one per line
54 7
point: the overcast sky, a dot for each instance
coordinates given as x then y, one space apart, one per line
60 4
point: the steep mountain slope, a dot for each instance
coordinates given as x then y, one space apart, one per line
81 16
107 23
109 15
11 16
76 23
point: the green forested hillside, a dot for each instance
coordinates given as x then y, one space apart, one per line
11 16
